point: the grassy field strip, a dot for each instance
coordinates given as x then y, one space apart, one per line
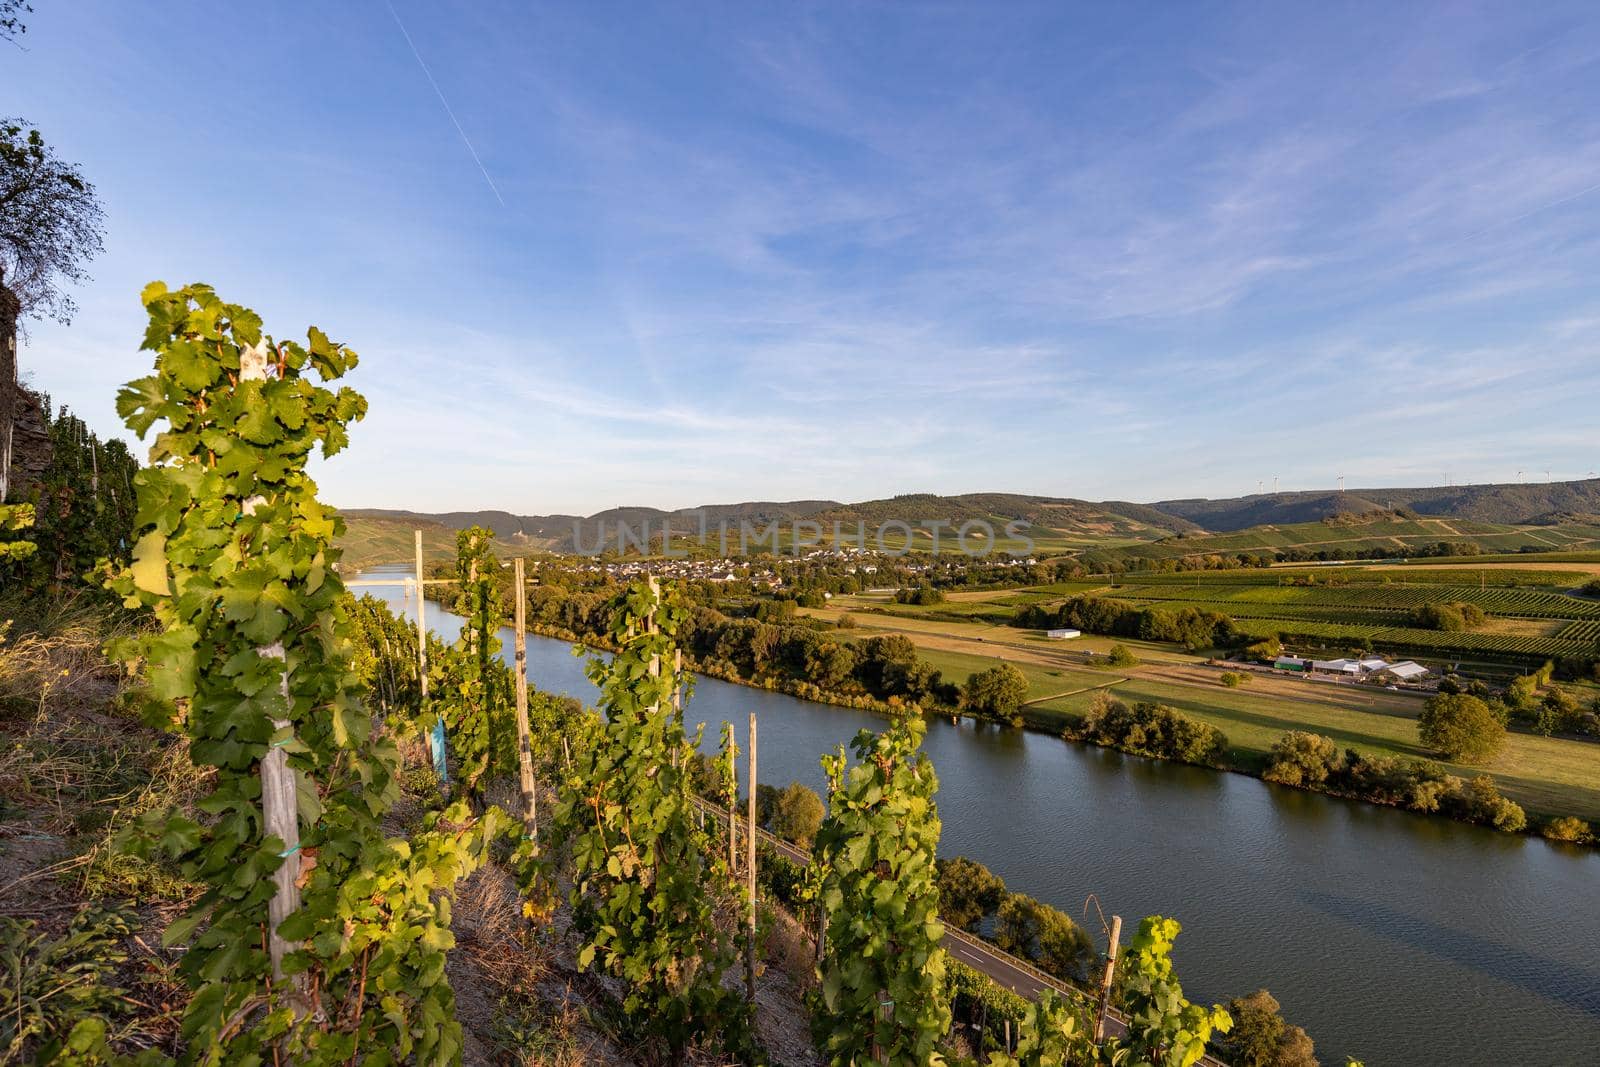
1106 684
1548 775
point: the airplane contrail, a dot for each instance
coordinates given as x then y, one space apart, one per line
437 92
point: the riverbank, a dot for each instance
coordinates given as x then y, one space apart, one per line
1365 924
1407 789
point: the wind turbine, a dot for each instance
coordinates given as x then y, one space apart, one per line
1341 483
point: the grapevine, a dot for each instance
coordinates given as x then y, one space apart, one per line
645 886
472 686
252 655
882 993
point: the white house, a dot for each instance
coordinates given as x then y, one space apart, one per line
1063 635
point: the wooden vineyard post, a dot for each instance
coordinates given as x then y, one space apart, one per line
280 813
530 801
750 862
1106 980
886 1013
280 806
436 741
733 823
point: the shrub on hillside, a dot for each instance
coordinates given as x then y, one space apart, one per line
1233 679
1121 656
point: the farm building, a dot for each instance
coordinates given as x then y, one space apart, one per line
1063 634
1291 663
1404 671
1346 667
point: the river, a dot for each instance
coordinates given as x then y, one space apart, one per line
1396 938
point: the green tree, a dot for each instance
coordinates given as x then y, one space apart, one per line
1461 728
1261 1038
50 223
796 814
1121 656
1036 931
881 997
996 692
968 891
1302 759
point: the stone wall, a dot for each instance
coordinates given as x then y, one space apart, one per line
24 435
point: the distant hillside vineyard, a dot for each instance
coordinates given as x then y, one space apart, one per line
1552 516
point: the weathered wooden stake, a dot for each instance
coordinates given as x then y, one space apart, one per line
1106 979
281 815
422 625
750 860
436 743
530 800
886 1013
280 806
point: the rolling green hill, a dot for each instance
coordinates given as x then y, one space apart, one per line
1379 531
370 540
1053 523
1514 504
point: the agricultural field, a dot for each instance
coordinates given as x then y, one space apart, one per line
1385 532
1044 682
1544 774
1547 775
1533 614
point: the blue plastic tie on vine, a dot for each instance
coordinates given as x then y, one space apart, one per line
290 852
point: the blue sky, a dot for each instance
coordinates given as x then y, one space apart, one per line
767 251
